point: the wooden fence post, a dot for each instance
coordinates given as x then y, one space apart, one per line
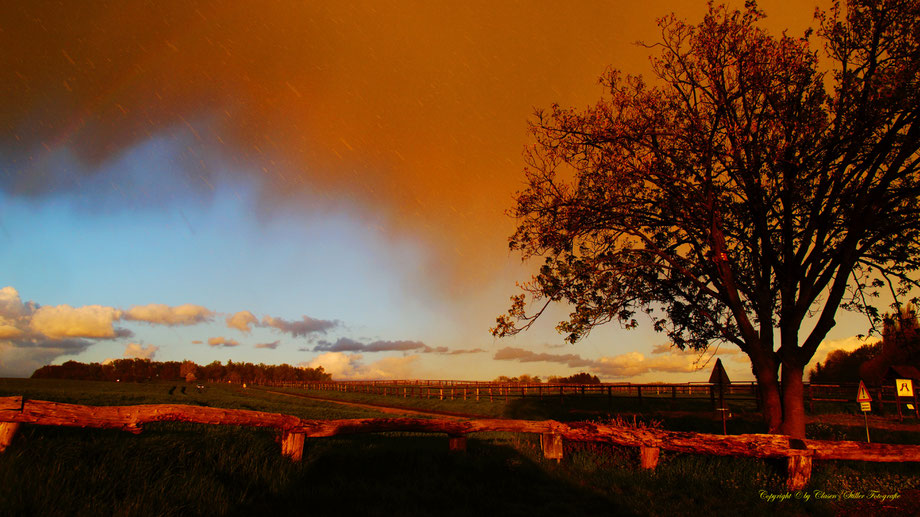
456 442
551 445
648 457
292 445
7 432
799 470
811 398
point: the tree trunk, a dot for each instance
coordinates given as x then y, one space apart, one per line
771 402
793 401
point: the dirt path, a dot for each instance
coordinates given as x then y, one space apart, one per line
394 410
875 422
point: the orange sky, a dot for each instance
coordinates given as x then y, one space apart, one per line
411 113
408 116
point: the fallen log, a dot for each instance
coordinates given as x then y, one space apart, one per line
132 418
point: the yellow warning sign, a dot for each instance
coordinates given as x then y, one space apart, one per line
865 406
863 394
905 387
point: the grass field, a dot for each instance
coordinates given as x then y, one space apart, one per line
184 469
683 414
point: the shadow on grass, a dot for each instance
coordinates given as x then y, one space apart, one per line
417 475
694 415
186 469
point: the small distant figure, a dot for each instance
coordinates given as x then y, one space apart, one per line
171 390
183 390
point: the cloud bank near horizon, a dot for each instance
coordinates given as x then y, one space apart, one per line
32 335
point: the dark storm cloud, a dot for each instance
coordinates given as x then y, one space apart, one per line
526 356
345 344
304 327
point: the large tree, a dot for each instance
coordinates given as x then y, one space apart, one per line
751 189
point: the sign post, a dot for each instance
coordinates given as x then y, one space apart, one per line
720 378
905 388
865 404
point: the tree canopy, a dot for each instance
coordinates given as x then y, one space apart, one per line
740 194
133 370
843 365
900 345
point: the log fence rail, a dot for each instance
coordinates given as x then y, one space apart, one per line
799 454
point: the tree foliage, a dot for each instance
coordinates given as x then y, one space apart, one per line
523 379
741 193
138 370
842 365
900 345
578 378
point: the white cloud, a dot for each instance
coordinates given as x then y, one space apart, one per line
634 363
32 336
391 368
10 332
629 364
89 321
242 321
11 306
135 350
221 341
344 366
187 314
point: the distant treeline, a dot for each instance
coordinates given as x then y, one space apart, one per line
138 370
578 378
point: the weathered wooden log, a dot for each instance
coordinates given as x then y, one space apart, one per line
798 471
10 403
7 432
551 444
292 445
132 418
648 457
456 443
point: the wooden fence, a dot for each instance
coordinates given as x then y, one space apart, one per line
884 397
491 391
798 453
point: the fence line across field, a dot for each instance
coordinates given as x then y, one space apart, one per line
485 390
799 454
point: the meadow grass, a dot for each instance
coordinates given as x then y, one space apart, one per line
190 469
694 414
